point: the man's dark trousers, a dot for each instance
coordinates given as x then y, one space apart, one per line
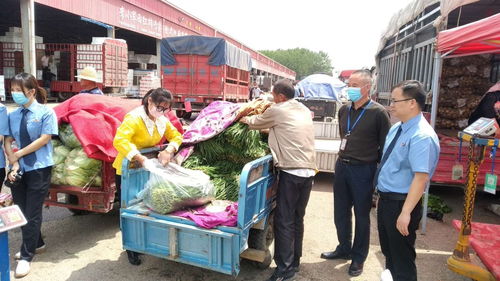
30 195
353 187
399 250
291 202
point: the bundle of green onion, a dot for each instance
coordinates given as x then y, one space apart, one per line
223 157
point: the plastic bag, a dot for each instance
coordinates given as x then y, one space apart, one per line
173 187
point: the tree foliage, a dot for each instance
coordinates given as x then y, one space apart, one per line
303 61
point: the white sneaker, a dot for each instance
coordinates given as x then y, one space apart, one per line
38 250
386 275
22 269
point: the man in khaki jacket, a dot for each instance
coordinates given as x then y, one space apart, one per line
291 139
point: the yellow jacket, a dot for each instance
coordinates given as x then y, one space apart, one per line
138 131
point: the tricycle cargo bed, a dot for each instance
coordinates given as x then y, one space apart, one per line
87 199
179 239
326 154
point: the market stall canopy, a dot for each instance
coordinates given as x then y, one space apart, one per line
220 51
321 86
479 37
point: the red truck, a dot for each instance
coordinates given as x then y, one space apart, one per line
109 57
199 70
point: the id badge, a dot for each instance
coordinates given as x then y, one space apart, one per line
490 183
343 143
457 172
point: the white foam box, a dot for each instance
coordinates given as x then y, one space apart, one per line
327 130
326 154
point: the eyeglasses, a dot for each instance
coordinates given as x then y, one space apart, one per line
396 101
160 108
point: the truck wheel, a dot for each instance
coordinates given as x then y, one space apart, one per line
77 212
62 96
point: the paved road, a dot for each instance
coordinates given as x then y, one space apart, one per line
89 247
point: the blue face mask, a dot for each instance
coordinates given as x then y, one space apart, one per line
354 94
20 98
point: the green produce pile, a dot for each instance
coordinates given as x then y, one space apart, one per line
223 158
173 187
68 137
71 164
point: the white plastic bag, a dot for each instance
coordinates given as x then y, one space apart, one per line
173 187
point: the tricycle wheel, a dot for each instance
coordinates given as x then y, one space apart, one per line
266 263
62 96
262 239
133 257
78 212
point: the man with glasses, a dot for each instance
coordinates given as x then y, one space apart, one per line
409 160
363 126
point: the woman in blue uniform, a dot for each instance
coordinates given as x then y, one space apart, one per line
31 127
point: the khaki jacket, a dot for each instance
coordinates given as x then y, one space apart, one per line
291 134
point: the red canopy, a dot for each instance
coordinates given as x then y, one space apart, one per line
479 37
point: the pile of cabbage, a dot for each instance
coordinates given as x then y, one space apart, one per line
71 165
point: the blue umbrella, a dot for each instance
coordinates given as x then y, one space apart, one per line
321 86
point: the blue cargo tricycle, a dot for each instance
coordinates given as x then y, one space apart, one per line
178 239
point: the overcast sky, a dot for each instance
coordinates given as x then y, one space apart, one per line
349 31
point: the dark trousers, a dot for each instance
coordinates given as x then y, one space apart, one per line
399 250
2 177
353 187
30 195
291 201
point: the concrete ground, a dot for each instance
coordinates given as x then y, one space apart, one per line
89 247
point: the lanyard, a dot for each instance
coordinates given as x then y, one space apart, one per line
493 153
349 129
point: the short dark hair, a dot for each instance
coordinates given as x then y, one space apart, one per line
413 89
285 88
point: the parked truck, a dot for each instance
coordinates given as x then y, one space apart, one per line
407 51
199 70
108 56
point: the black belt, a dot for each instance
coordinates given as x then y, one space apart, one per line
392 196
350 161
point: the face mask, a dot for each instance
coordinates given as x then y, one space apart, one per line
354 94
20 98
153 112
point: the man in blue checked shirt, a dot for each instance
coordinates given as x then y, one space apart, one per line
410 157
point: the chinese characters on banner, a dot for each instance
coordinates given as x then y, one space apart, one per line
149 24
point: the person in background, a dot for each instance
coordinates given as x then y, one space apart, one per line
363 126
410 158
32 126
291 139
88 81
489 106
145 126
4 131
47 75
255 91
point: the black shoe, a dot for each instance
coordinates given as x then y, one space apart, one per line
335 255
355 269
289 276
133 258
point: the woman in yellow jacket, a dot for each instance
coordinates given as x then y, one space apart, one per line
145 126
